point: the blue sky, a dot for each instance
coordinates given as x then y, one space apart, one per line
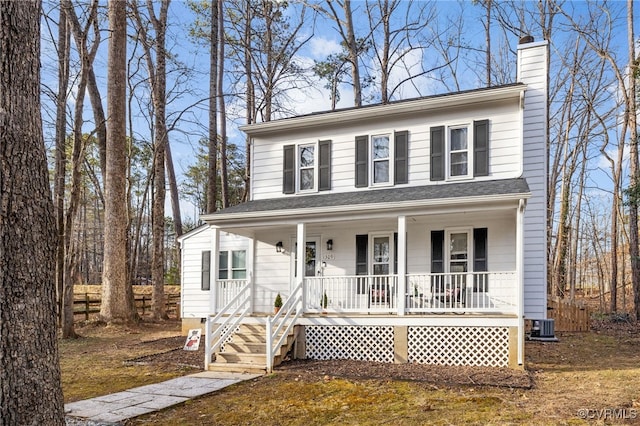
325 41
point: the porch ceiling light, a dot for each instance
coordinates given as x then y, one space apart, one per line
279 247
329 245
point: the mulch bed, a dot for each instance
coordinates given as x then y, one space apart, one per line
436 374
169 351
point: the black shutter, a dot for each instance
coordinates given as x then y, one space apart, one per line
395 253
324 165
481 148
437 153
437 252
205 283
437 261
362 161
289 170
401 170
362 267
480 263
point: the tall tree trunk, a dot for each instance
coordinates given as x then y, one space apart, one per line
92 84
631 115
30 390
61 141
117 294
353 54
224 174
212 175
250 112
157 81
487 37
173 189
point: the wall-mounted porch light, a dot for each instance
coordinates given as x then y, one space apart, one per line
279 247
329 245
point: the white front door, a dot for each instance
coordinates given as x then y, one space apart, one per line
311 263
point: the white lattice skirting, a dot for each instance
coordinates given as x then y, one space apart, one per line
473 346
439 345
361 343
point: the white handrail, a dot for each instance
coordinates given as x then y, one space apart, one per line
288 314
231 322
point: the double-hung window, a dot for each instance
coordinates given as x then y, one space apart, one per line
458 152
307 167
232 265
380 157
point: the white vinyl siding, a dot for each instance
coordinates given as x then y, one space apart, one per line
195 301
504 142
532 71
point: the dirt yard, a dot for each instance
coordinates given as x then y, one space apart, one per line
586 378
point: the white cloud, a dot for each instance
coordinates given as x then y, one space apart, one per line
321 47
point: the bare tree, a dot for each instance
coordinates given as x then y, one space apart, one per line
342 15
157 81
399 45
117 294
61 142
212 177
30 391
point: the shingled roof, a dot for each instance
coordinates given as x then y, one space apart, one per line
517 186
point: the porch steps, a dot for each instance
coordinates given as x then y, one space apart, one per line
246 352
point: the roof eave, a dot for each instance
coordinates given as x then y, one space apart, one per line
387 110
243 217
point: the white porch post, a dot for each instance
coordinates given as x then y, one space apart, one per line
520 278
250 266
213 272
301 238
402 264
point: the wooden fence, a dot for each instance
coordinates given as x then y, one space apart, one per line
568 316
89 303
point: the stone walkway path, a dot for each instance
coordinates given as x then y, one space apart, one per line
114 408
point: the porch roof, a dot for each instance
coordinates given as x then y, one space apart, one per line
376 199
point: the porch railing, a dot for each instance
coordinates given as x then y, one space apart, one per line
219 327
279 327
463 292
424 293
227 290
357 293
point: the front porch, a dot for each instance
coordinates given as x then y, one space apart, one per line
438 284
443 319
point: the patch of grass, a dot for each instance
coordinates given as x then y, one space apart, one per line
94 364
591 371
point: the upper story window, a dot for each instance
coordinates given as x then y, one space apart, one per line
382 159
460 151
380 156
307 167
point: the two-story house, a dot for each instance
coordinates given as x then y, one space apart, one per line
407 232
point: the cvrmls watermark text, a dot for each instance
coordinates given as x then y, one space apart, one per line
608 413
